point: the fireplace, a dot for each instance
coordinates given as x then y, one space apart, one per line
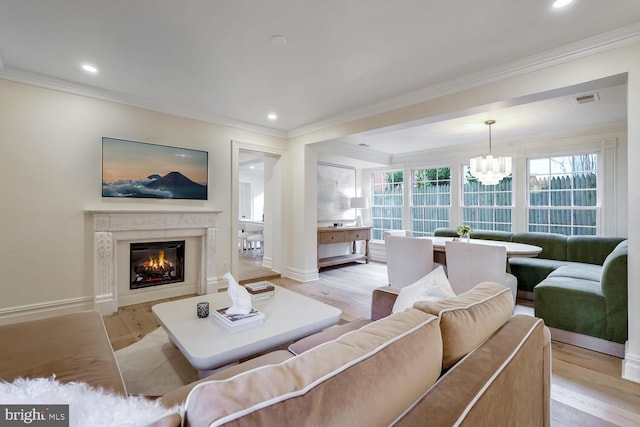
115 230
156 263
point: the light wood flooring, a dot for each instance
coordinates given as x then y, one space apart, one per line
587 388
250 269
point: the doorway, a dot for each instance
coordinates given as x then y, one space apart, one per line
256 205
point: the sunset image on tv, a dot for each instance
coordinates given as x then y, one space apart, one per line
141 170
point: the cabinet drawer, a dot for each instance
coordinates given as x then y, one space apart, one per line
332 237
358 235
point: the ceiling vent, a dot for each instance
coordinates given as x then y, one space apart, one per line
586 99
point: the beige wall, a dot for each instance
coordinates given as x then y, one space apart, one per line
50 170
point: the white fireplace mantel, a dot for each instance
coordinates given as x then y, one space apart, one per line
110 226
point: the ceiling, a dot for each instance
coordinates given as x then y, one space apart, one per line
216 61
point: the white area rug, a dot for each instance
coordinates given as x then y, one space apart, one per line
153 366
87 406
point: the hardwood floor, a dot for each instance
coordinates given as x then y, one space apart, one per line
250 269
586 386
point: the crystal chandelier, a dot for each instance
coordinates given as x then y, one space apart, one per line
490 170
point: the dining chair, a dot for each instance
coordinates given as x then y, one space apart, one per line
471 263
408 259
405 233
247 230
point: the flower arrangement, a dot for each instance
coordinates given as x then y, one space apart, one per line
463 230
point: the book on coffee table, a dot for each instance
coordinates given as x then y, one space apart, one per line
237 322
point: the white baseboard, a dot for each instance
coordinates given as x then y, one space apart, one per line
631 366
301 275
267 262
29 312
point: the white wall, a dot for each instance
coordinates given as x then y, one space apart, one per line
50 170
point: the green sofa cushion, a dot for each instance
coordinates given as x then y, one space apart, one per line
445 232
531 271
554 246
590 249
615 288
571 304
503 236
578 270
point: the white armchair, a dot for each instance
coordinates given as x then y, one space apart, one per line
471 263
408 259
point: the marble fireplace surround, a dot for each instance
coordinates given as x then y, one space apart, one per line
111 226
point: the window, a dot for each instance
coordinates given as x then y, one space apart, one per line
386 211
486 207
563 194
431 200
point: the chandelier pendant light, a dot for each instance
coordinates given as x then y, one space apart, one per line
490 170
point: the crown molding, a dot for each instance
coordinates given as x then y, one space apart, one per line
591 46
65 86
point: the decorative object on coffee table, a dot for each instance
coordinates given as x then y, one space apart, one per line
260 290
202 309
239 295
238 322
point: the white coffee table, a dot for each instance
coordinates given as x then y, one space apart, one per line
207 344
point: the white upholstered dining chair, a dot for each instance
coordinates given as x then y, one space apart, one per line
397 233
471 263
408 259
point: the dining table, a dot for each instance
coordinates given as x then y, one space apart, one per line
513 249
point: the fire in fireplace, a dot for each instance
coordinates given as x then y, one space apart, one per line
156 263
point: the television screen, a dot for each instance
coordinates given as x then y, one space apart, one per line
133 169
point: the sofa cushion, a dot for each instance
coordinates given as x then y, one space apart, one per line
531 271
504 382
73 347
578 270
432 287
590 249
356 376
470 318
554 246
614 284
326 335
503 236
571 304
179 395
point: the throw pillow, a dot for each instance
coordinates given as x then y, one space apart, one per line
432 287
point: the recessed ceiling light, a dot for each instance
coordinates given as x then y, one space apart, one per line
279 41
89 68
561 3
272 116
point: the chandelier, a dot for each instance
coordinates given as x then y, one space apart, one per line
490 170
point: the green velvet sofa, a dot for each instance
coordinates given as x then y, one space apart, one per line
578 283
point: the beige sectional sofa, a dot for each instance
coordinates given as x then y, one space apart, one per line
461 361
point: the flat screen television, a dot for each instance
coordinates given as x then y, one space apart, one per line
133 169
